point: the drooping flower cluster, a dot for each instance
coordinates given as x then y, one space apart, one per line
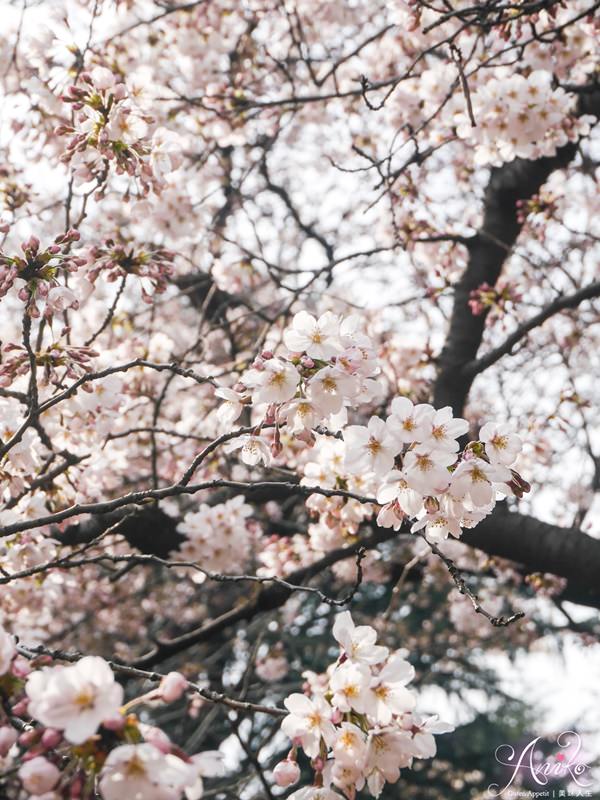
357 723
55 362
415 456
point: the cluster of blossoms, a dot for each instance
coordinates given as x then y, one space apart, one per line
493 298
55 362
329 365
336 520
34 274
538 209
110 129
415 456
357 723
410 462
218 537
77 737
115 259
520 117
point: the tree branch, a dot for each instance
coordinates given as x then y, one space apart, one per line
473 368
488 250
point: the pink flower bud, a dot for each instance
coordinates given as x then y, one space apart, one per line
266 354
116 723
51 738
156 737
29 737
77 785
39 775
286 773
8 736
20 667
120 91
172 687
20 708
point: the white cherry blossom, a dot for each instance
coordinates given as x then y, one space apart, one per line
349 684
474 477
142 772
389 750
371 448
350 746
230 410
502 445
309 721
254 450
388 694
276 382
318 338
331 387
438 525
408 421
358 642
75 699
441 430
395 487
426 470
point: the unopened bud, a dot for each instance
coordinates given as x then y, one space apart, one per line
172 687
286 773
8 736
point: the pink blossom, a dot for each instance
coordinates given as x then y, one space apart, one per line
172 687
39 775
286 773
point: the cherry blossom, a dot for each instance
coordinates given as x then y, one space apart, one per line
358 642
370 730
501 444
141 771
387 692
75 699
8 650
308 721
275 382
39 775
349 684
474 478
254 449
318 338
371 448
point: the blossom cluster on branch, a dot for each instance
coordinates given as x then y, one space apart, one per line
357 723
68 727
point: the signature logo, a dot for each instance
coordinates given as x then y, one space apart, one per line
567 763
